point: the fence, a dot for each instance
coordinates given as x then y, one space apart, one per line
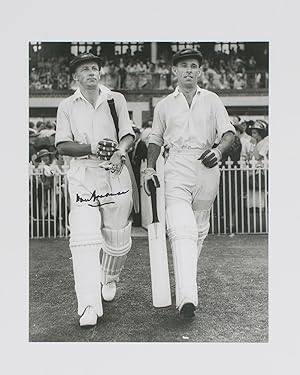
241 205
48 204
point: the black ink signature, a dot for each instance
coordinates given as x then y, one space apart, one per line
95 198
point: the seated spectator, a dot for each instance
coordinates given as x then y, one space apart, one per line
239 82
224 84
32 125
40 125
212 81
47 131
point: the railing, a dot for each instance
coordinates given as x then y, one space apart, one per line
48 204
157 81
240 207
138 81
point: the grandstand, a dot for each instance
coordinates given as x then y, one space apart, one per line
237 71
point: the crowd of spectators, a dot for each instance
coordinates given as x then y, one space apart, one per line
220 71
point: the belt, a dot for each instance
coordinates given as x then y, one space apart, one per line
89 157
94 163
187 151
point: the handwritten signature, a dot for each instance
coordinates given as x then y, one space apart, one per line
95 198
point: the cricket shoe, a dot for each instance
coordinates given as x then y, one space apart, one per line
188 310
88 318
109 291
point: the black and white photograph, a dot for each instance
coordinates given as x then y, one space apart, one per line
149 200
148 191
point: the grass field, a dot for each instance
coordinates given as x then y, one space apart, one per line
233 296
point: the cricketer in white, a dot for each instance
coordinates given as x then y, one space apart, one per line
188 123
83 120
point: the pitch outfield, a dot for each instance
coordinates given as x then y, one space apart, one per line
233 296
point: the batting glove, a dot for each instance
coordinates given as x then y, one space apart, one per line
211 158
106 148
150 174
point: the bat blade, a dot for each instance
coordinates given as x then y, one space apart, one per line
160 281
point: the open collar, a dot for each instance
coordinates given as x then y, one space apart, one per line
105 93
177 91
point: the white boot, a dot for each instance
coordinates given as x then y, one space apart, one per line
109 291
89 317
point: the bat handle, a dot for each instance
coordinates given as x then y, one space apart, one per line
152 189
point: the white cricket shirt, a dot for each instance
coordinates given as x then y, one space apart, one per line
79 121
199 126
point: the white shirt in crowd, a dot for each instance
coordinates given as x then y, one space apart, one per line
261 149
247 148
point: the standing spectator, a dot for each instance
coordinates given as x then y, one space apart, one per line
145 135
45 137
234 153
252 63
259 131
32 138
257 194
122 73
137 154
245 139
49 191
45 180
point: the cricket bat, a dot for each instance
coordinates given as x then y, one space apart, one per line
160 281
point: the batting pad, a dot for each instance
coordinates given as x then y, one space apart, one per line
117 242
116 245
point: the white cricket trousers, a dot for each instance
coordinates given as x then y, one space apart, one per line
190 190
97 224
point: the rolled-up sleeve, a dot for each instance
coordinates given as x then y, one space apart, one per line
223 123
158 127
125 126
63 126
